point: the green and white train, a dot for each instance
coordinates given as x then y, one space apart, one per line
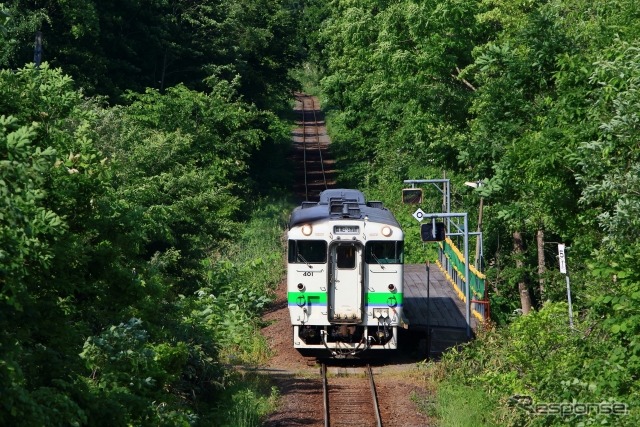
345 275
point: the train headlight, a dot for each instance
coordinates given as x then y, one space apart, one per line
307 229
386 231
392 287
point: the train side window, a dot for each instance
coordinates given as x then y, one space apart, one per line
346 257
384 252
307 251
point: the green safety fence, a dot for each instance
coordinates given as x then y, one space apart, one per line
453 262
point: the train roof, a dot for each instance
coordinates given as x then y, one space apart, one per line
342 204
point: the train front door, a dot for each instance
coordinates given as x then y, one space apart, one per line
345 287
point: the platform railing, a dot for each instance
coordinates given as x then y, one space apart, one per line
452 263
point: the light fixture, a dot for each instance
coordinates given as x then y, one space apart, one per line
386 231
307 229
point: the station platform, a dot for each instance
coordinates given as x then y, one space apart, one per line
442 315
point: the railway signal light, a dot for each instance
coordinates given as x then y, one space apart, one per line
432 232
412 196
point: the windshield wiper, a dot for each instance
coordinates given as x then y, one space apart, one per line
377 260
304 260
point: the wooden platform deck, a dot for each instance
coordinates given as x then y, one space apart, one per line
443 310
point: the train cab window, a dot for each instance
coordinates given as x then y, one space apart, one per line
307 251
384 252
346 257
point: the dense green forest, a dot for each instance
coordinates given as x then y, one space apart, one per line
136 206
131 272
541 102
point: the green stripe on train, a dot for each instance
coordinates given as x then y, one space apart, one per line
384 298
315 298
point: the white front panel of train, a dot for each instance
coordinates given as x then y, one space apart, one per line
345 282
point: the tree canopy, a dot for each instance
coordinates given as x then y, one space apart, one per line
109 47
538 101
126 165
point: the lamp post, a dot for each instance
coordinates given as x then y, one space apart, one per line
478 184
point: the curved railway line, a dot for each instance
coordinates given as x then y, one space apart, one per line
313 166
351 403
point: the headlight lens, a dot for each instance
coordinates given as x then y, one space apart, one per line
307 229
386 231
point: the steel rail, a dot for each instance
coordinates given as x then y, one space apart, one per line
374 395
310 131
304 148
325 394
317 135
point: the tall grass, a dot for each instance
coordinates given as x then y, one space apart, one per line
247 406
247 276
457 405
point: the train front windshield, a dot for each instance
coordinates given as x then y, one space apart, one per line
384 252
307 251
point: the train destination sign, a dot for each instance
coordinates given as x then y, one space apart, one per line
346 229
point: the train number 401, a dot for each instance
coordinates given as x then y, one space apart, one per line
307 273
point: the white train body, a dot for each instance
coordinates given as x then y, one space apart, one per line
345 274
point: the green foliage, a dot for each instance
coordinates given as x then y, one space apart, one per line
237 288
177 160
609 165
26 229
5 17
248 408
389 77
247 401
540 101
107 215
457 405
24 220
541 357
110 47
128 370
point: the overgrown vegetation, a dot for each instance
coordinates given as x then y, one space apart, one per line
539 102
132 159
138 238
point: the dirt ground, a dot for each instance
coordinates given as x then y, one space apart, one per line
398 379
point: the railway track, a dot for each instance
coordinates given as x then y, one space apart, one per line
313 166
350 402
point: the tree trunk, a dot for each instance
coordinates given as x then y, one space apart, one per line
164 70
523 289
541 267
